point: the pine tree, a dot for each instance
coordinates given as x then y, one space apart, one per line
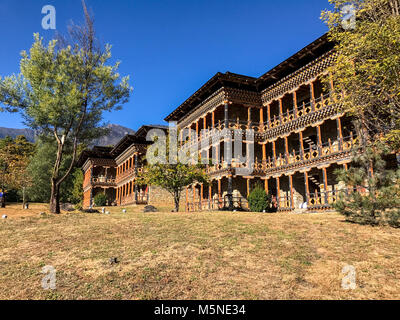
373 192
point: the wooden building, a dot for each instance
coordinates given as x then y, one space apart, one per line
114 170
301 136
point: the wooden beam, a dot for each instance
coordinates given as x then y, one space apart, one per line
278 192
325 184
339 132
307 187
264 153
274 151
291 191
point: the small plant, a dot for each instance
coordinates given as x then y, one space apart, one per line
260 201
100 200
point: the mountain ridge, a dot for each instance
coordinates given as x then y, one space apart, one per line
116 133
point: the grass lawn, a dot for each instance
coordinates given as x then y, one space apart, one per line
195 256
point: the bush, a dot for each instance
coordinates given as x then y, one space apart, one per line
370 199
260 201
100 200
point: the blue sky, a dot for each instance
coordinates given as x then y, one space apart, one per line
170 48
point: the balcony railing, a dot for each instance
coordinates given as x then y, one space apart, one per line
129 173
103 180
295 157
239 203
304 109
142 198
322 199
311 153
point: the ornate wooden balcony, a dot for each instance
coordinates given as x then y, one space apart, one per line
103 181
307 114
331 151
311 157
128 174
320 109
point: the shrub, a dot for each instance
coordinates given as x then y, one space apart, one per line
371 199
260 201
100 200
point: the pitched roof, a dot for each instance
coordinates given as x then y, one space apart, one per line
232 80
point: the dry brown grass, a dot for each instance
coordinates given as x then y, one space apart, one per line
195 256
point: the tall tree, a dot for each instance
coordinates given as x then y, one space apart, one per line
367 71
63 90
40 168
14 158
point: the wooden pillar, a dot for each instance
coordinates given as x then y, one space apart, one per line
287 150
117 194
291 191
280 109
266 186
339 132
264 153
194 195
301 144
307 187
219 190
325 184
312 96
226 114
213 119
274 151
248 187
197 129
278 192
269 115
249 116
319 140
295 104
261 119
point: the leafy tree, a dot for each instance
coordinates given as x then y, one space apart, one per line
100 200
77 189
174 177
260 201
14 158
63 91
372 196
367 69
41 167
